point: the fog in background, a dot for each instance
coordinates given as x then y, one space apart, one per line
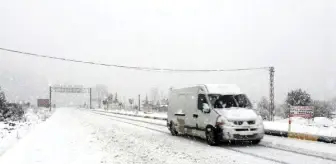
297 37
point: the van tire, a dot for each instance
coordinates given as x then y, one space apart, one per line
172 129
211 136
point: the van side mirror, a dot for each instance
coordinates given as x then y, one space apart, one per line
206 108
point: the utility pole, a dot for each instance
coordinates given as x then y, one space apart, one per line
139 103
50 98
90 92
271 72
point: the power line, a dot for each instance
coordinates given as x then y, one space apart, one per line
130 67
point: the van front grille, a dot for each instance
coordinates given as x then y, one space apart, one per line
238 136
241 130
251 122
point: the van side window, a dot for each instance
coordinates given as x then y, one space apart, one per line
201 100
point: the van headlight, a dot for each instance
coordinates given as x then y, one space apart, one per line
222 121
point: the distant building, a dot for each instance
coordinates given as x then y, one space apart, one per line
43 103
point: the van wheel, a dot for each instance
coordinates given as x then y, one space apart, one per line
211 136
172 129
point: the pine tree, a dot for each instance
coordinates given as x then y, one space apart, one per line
298 97
2 99
3 106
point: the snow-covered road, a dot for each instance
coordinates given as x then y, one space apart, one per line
81 136
283 150
302 146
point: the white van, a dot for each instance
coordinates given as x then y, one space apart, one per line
215 112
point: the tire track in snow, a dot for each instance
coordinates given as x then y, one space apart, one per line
267 145
302 152
161 131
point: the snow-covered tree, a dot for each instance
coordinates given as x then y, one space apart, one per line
322 108
3 106
263 108
110 98
282 110
298 97
116 101
333 104
11 111
2 99
131 101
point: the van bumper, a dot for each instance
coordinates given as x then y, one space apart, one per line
227 133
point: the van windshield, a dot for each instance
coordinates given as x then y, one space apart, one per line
228 101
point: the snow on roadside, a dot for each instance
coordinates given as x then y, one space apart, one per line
11 132
320 126
317 121
303 146
61 139
300 125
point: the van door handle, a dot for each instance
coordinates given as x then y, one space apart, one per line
195 115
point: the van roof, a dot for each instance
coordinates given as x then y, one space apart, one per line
224 89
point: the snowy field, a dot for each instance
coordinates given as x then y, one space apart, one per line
79 136
319 126
11 132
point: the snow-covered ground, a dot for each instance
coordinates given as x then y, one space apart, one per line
81 136
11 132
309 147
319 126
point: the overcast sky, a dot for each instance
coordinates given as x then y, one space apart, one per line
297 37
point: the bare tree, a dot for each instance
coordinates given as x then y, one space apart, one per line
263 108
102 92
